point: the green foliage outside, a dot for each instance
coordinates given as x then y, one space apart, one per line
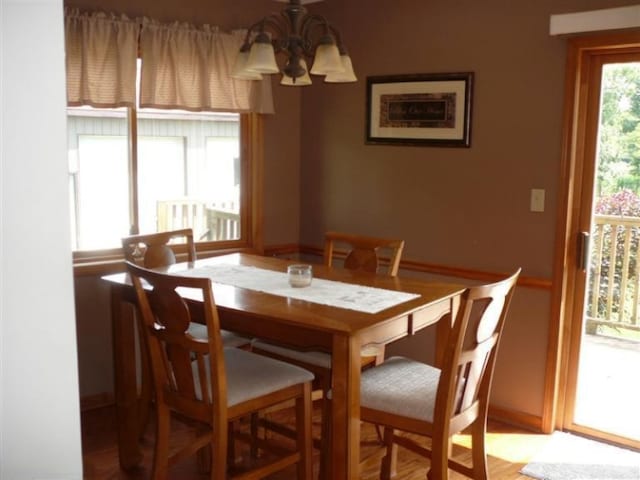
619 141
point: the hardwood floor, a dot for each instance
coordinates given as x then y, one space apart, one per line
509 449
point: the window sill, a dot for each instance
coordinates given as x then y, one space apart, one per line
97 266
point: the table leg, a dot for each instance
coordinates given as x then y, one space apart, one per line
125 385
345 423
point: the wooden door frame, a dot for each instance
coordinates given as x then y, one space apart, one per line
584 54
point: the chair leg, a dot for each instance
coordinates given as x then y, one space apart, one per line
325 437
160 469
478 449
145 398
254 427
379 433
203 457
389 465
219 450
440 459
231 443
304 440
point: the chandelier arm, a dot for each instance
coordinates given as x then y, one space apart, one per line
311 20
273 24
310 23
338 35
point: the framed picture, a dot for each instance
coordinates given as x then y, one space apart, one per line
425 109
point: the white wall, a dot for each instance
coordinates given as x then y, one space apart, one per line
39 409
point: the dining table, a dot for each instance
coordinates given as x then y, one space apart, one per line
342 312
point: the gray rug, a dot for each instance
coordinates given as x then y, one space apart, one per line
571 457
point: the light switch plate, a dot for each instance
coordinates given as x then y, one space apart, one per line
537 200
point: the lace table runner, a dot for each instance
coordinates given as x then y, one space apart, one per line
327 292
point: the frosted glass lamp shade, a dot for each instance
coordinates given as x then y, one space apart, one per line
327 58
298 81
346 76
239 68
262 58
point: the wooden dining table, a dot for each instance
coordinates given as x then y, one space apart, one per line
342 332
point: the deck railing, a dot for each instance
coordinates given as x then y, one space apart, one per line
210 221
614 283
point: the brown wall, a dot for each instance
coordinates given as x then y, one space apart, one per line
466 208
459 207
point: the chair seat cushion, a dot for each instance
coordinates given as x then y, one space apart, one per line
251 376
401 386
229 339
319 359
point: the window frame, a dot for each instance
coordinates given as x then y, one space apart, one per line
96 262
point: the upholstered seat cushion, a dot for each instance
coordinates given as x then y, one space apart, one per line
229 339
401 386
250 375
319 359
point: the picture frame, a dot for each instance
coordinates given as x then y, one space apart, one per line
431 109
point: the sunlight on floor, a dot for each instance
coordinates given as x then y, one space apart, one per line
510 447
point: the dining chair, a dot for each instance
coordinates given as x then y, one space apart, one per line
209 386
405 395
364 253
353 252
154 250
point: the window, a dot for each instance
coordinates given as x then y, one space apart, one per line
184 170
143 170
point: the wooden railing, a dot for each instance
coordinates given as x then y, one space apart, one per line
614 283
223 223
178 214
210 221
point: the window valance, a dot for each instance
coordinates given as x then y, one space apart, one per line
182 66
101 53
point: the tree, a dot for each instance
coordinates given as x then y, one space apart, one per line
619 135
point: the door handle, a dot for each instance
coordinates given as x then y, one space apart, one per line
583 250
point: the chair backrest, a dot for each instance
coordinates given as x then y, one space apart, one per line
152 250
470 355
364 253
188 373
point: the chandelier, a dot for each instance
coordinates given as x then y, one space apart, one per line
300 36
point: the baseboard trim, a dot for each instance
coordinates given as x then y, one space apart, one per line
277 250
99 400
519 419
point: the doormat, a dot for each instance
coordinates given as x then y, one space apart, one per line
571 457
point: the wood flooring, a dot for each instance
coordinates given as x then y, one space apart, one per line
509 449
